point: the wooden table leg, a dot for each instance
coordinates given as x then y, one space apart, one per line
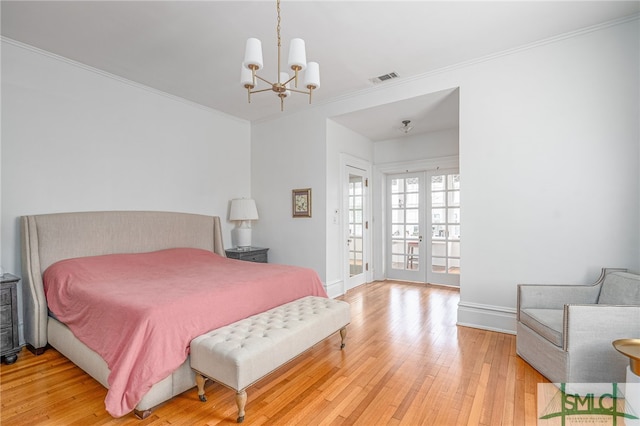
200 381
241 401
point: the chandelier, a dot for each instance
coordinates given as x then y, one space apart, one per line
297 62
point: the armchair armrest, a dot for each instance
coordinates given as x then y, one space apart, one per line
587 325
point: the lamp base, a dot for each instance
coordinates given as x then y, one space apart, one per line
243 237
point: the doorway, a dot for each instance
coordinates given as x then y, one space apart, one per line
423 227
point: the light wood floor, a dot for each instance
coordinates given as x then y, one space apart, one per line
406 363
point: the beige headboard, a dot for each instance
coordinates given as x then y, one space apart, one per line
49 238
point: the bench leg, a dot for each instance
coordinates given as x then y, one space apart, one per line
200 380
241 401
343 336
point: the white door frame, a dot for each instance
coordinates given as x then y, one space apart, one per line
347 161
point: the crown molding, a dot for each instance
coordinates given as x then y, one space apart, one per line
117 78
550 40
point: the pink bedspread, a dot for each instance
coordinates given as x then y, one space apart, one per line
141 311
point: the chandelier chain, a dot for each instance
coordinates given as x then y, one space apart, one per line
279 45
278 25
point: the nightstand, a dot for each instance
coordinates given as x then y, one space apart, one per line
251 254
9 339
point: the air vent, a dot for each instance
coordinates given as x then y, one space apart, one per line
385 77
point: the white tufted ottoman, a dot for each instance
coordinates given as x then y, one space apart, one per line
242 353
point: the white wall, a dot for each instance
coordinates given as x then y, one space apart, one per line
549 159
289 153
76 139
554 132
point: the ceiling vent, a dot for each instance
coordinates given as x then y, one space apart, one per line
385 77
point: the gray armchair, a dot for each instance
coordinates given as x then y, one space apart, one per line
566 331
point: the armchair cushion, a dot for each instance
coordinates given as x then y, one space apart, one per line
546 322
620 288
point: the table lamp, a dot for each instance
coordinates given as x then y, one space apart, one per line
243 210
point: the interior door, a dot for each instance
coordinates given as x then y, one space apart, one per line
405 258
355 194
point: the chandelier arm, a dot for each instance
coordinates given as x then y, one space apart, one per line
266 81
300 91
291 79
261 90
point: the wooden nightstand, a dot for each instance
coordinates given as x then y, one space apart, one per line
251 254
9 339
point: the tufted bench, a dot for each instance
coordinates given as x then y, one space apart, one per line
242 353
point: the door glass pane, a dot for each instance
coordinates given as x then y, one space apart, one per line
438 264
454 249
437 183
453 215
454 266
454 232
412 255
397 186
413 215
397 201
397 216
453 198
437 216
439 232
437 199
412 200
453 181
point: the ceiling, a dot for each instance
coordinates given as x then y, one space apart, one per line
193 49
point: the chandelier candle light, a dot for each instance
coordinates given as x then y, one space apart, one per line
297 62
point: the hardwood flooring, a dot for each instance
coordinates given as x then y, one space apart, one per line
406 363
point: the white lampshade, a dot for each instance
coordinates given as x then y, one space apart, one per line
253 53
246 77
283 78
297 54
312 76
243 209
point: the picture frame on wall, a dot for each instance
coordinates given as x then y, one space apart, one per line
301 202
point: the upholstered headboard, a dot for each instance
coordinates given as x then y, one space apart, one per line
49 238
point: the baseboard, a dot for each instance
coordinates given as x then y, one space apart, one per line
487 317
335 289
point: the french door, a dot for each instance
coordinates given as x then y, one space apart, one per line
423 232
443 257
355 199
405 232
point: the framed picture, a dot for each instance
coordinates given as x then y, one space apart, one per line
301 202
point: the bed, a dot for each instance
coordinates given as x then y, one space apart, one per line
56 242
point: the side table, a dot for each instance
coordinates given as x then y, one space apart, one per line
251 254
9 338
